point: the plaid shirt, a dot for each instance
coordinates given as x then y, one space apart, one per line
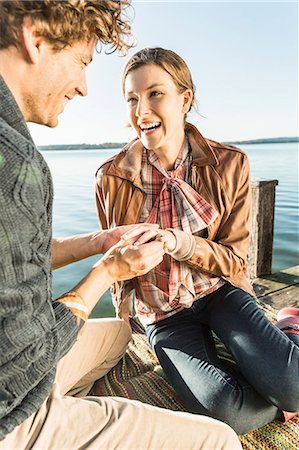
172 203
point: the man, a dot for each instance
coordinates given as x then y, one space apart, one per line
45 47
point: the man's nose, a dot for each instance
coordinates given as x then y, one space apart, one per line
82 85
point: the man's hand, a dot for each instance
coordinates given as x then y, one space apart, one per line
121 262
124 262
75 248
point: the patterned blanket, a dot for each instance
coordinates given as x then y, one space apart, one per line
139 376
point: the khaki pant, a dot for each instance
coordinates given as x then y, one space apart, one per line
104 423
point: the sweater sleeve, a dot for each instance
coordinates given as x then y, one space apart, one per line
185 245
65 327
30 319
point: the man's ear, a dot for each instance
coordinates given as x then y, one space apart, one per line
32 43
188 96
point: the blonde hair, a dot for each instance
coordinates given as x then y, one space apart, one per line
65 22
169 61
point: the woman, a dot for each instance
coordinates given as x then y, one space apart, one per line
198 191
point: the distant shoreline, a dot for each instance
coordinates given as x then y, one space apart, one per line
105 146
280 140
111 145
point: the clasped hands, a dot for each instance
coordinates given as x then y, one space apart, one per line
150 233
139 249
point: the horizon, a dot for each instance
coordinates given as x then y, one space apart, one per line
243 58
116 144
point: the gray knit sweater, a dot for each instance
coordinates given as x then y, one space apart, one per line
35 332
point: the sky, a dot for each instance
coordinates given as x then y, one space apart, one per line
243 57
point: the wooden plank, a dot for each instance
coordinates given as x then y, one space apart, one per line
276 281
279 289
292 270
288 296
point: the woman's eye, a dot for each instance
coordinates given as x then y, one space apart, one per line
131 100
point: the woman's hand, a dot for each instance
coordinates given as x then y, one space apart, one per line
143 234
179 244
168 239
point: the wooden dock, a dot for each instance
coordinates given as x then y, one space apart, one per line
279 289
274 289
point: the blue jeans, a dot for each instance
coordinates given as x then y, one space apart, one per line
245 395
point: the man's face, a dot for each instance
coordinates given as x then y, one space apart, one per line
58 77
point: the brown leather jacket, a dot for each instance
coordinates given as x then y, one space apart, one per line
220 173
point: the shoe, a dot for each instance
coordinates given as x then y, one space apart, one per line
287 312
288 320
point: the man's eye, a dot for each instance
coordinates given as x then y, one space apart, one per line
155 93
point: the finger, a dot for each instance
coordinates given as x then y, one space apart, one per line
162 237
136 232
146 237
140 229
166 240
131 241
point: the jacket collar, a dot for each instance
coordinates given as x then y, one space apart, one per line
202 152
10 111
127 164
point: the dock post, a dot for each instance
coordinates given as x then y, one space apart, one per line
262 226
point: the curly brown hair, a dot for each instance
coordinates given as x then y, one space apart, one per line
64 22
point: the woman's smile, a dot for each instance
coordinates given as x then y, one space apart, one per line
149 127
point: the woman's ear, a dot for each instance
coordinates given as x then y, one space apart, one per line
31 41
188 97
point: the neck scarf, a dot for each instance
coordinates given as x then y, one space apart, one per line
179 206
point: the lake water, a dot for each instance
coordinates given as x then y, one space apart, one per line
74 205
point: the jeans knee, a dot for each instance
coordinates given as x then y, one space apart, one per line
289 403
238 422
231 418
242 420
287 399
239 425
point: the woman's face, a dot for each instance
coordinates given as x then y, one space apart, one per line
156 108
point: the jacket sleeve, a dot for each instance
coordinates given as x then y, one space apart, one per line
226 254
101 203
